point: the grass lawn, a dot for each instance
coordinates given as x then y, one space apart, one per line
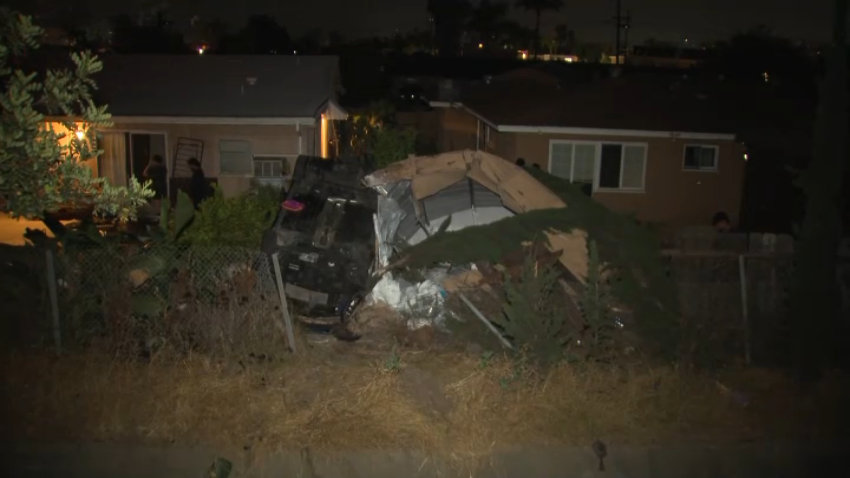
417 394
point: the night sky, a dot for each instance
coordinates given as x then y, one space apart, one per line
669 20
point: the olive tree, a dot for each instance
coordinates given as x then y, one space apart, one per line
42 166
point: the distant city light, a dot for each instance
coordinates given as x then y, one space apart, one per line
766 77
202 49
294 52
480 46
746 157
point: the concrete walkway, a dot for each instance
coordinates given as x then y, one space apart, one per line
680 461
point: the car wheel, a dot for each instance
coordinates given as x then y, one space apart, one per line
347 313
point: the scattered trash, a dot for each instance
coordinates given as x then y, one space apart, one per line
422 303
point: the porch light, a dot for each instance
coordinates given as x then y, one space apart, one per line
323 136
80 134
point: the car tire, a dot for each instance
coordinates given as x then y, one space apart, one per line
350 310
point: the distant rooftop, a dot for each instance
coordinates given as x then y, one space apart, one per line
632 101
269 86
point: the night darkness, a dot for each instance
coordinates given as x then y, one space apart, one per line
455 238
666 20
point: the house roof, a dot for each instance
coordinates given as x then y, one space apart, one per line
633 102
217 86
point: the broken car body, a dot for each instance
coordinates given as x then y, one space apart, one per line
324 237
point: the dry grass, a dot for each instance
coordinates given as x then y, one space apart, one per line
443 403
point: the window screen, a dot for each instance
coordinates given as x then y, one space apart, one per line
585 163
561 160
633 165
236 158
700 157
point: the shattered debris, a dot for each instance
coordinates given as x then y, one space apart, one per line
420 196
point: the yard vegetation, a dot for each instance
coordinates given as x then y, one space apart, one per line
42 166
177 338
432 399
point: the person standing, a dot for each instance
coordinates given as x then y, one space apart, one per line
198 187
157 173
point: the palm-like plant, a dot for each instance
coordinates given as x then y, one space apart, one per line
538 7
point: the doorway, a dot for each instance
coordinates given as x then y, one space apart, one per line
143 147
128 154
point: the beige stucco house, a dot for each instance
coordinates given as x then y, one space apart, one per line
657 150
246 118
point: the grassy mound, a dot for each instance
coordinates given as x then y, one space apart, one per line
639 282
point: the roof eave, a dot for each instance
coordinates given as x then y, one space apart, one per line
616 132
629 133
215 120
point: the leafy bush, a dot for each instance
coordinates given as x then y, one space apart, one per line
392 144
531 317
238 221
599 332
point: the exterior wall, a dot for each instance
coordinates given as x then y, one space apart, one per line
671 195
503 145
265 140
458 130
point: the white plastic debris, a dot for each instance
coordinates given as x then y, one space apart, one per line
421 303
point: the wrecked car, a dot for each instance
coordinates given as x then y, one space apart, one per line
325 239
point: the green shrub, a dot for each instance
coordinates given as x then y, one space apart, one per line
238 221
599 333
392 144
531 318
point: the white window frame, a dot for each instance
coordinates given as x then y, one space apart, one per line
620 189
268 158
716 149
597 160
229 174
289 159
574 143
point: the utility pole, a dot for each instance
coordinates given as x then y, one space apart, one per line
617 25
627 24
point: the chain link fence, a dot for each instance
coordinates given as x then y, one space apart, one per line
141 299
735 307
224 300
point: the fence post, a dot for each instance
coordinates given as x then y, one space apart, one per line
290 336
54 302
744 308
